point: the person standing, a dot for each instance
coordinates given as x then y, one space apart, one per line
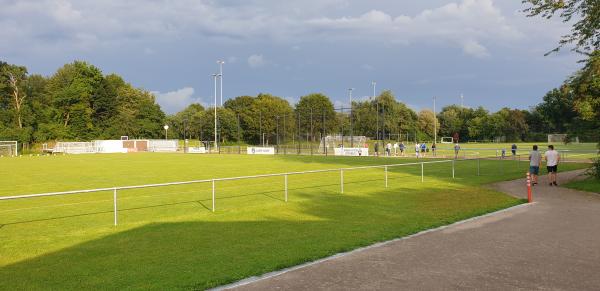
552 158
388 149
433 147
377 149
423 149
456 150
402 147
395 149
535 160
417 148
513 149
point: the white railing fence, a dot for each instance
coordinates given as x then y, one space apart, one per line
115 190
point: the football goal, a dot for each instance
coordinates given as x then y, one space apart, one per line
447 139
561 138
8 148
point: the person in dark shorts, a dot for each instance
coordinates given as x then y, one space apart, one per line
513 149
535 160
456 149
552 158
433 147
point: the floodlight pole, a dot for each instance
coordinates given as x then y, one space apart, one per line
377 114
215 76
351 121
434 122
220 62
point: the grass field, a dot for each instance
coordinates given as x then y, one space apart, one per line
589 185
167 238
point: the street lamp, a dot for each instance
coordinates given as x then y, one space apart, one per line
166 127
221 80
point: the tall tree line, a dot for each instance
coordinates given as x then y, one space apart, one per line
78 102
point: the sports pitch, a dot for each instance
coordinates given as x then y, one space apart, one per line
168 238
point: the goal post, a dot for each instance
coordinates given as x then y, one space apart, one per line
447 139
562 138
9 148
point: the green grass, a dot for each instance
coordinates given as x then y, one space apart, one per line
167 238
589 184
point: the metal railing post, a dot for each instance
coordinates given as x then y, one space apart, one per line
452 169
115 204
342 180
285 186
213 195
422 179
386 177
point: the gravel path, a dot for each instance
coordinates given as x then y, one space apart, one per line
553 243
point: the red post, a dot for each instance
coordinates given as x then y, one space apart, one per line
529 198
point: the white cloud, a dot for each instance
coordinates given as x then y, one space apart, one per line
463 25
475 49
175 101
85 25
256 61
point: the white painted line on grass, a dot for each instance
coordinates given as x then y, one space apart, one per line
379 244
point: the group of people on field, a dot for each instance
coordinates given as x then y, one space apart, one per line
399 149
552 158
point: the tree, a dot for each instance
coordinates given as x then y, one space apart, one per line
393 117
71 88
183 124
226 124
585 33
242 107
586 89
268 112
451 121
11 79
316 114
426 121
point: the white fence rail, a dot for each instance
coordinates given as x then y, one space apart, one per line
285 175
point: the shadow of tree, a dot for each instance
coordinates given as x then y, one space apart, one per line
203 254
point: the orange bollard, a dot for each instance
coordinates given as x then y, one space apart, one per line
529 198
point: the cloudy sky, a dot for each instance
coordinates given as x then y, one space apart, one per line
485 49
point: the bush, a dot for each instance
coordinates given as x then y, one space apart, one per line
594 171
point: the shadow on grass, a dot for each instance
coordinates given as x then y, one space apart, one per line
203 254
267 194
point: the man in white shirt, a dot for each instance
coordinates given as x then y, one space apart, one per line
552 158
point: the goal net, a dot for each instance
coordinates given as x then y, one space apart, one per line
447 139
561 137
336 141
8 148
